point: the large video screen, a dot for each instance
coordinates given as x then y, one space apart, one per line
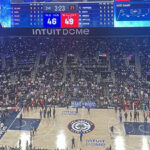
74 14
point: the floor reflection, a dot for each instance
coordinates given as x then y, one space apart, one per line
119 143
61 140
25 138
145 145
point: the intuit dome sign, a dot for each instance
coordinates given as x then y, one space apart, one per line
60 32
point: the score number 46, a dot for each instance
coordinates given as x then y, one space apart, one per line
53 21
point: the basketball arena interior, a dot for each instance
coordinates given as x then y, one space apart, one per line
74 74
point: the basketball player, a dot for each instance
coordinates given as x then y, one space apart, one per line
20 119
130 116
88 108
138 116
135 116
19 143
145 122
126 116
50 112
40 113
120 109
54 113
44 114
77 109
81 135
73 142
112 129
115 109
120 117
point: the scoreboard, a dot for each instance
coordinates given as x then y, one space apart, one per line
62 15
74 14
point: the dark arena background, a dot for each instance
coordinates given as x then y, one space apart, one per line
74 75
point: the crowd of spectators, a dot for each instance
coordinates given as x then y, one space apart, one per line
39 71
111 72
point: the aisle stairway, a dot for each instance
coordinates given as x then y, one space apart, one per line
138 65
3 61
65 68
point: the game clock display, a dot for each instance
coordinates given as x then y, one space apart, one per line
63 20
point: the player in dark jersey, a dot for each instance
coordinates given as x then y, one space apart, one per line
73 142
54 113
126 116
130 116
81 135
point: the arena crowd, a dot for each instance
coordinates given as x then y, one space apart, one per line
111 72
44 71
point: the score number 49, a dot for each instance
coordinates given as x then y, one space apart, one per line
69 21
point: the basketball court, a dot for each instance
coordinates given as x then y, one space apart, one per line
58 133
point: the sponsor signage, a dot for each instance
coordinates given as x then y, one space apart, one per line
59 32
67 32
83 104
69 113
95 142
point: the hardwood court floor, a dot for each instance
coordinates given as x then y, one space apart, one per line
54 133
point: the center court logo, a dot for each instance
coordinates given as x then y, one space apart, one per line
79 125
